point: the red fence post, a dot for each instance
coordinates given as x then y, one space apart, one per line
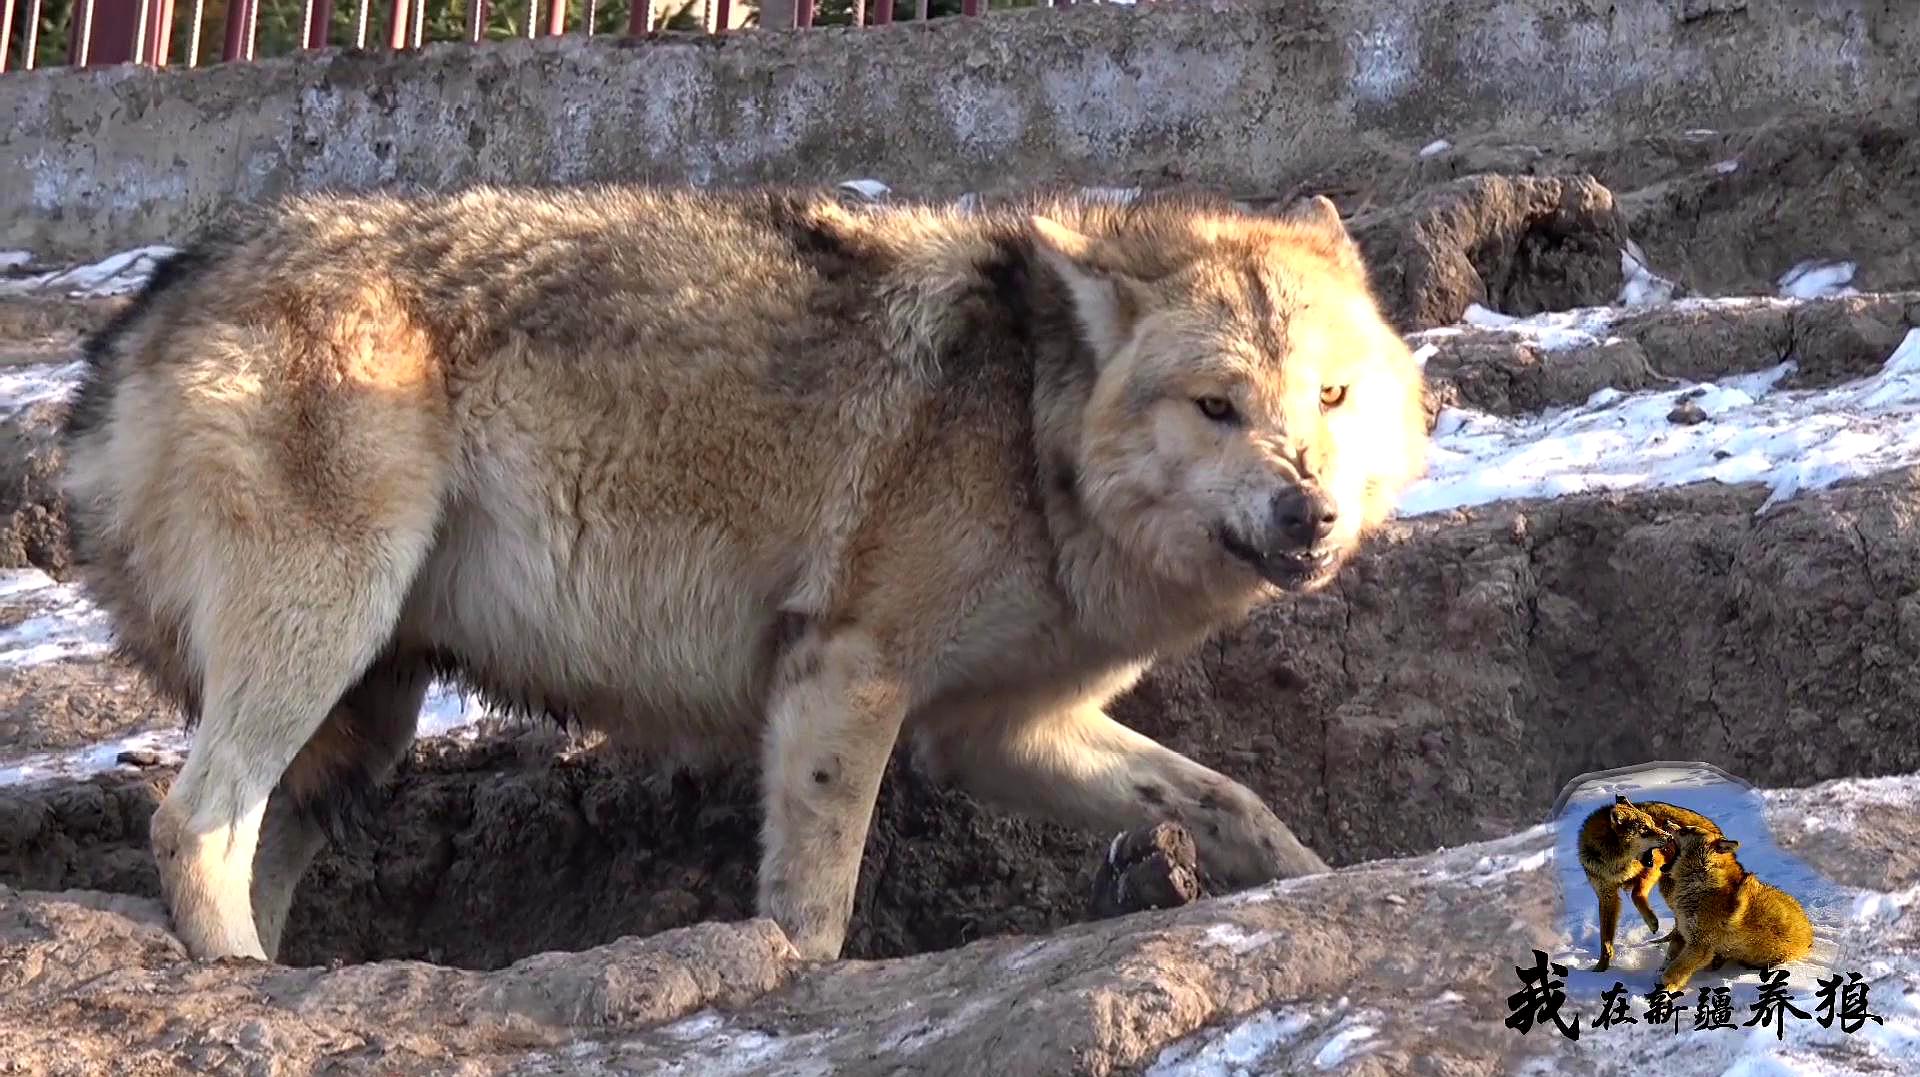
104 32
639 18
722 15
882 13
319 21
239 43
398 25
972 7
477 13
803 14
160 32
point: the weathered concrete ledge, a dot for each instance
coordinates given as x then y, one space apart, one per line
1244 96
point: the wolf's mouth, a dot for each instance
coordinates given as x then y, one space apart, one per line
1291 571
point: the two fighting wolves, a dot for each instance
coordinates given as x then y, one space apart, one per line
1721 910
723 471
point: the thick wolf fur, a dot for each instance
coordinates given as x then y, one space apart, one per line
1623 847
721 471
1724 912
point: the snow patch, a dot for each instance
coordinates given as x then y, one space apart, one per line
1492 869
1553 331
1342 1045
1818 280
1229 937
1238 1050
1643 287
165 745
47 621
1791 440
22 386
11 260
1435 148
870 189
116 274
1728 166
713 1049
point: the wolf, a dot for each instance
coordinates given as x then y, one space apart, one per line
1723 911
741 473
1622 847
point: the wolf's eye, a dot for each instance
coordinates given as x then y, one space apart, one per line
1332 396
1217 408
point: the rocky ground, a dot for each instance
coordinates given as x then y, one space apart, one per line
1391 967
1675 528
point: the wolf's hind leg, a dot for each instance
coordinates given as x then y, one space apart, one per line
1083 768
284 627
354 751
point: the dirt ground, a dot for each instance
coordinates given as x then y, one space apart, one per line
1462 670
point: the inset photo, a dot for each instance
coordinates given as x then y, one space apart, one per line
1672 882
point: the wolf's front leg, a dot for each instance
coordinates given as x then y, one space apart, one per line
1081 767
836 712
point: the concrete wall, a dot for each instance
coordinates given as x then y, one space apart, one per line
1237 95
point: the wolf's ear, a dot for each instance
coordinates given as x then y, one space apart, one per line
1318 211
1620 798
1725 845
1320 215
1105 303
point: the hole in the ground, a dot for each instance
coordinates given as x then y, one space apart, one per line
476 864
481 856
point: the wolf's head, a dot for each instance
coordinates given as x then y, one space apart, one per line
1696 847
1252 413
1636 826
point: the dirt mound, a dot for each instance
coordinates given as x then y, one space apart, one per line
1516 244
33 527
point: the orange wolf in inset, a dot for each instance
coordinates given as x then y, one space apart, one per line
721 471
1724 912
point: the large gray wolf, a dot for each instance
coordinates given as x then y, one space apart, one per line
742 471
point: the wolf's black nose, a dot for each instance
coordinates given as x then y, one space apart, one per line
1305 516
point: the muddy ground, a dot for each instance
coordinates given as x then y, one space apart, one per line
1442 692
